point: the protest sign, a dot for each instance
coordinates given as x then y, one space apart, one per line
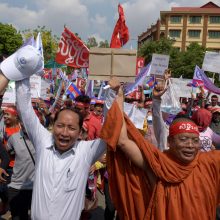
159 64
105 63
211 62
39 88
45 86
35 82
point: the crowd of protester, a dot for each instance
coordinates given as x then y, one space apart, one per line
37 155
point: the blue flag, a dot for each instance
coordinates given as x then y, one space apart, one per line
130 87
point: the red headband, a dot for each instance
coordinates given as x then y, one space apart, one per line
183 127
81 104
11 111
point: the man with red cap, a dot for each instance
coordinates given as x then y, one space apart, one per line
90 123
98 111
11 126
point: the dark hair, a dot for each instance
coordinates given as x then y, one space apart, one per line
99 105
83 98
207 105
182 117
81 118
214 96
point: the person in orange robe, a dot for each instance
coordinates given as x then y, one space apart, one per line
145 183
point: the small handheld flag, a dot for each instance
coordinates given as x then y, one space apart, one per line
73 91
151 82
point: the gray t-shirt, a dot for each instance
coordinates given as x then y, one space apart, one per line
23 170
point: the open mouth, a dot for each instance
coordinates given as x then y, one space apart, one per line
63 141
188 153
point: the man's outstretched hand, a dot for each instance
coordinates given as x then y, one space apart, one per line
159 90
114 84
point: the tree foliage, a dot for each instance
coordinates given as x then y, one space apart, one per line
186 61
91 42
181 63
50 41
104 44
10 39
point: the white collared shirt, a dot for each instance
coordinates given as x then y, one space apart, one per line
60 179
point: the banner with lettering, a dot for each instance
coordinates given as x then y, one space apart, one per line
72 51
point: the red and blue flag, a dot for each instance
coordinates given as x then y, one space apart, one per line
73 91
151 82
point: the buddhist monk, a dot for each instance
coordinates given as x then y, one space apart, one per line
180 183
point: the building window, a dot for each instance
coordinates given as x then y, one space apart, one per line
214 19
174 33
195 19
214 34
194 33
175 19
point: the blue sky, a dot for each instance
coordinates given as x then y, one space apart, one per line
87 17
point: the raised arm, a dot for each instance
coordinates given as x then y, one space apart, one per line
126 145
160 130
36 132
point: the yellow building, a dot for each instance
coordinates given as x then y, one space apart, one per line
187 24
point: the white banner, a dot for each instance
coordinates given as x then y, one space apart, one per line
9 96
211 62
180 87
136 115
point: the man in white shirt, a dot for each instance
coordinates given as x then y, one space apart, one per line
62 162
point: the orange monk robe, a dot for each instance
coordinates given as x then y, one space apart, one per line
181 192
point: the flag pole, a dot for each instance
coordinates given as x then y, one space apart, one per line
213 77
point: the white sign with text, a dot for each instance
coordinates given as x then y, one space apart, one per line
159 64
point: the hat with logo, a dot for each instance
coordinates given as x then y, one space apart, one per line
23 63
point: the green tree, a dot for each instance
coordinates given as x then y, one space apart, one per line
50 41
10 39
181 63
91 42
185 63
163 46
104 44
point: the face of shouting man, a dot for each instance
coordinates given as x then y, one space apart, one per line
66 129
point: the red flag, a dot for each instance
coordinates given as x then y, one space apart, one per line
120 34
72 51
